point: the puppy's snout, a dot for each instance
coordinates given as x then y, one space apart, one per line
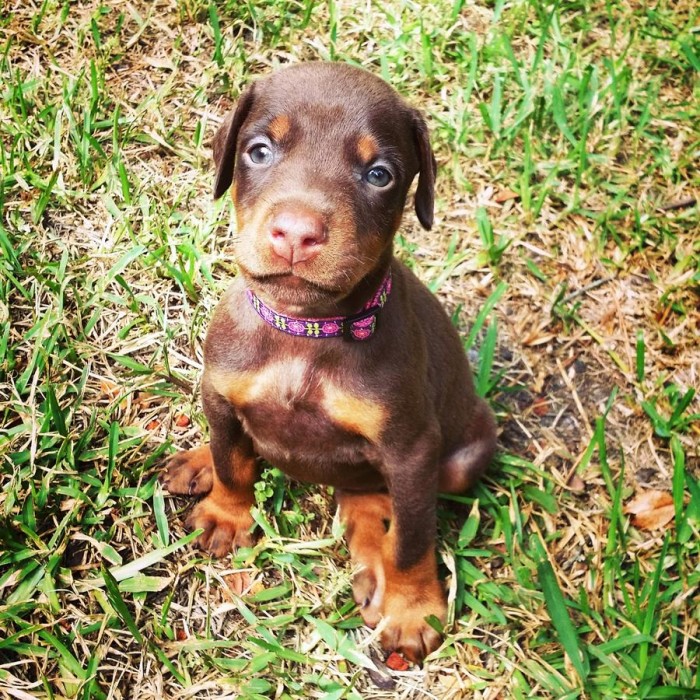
297 233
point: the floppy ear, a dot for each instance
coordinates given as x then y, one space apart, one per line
224 143
425 192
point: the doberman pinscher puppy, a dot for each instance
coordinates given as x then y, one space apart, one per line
326 356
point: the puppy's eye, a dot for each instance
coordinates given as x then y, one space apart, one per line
260 154
378 176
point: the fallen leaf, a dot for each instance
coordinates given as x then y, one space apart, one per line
257 587
238 582
68 504
504 195
655 519
157 62
649 500
396 662
182 421
144 399
536 338
109 388
540 406
576 483
651 510
153 425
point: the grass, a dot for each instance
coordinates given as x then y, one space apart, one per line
566 249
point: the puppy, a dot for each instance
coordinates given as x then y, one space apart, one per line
326 356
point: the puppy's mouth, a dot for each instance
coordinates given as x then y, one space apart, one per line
291 280
290 291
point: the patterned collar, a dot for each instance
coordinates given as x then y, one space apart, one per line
360 326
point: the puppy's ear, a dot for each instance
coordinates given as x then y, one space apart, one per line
224 142
425 192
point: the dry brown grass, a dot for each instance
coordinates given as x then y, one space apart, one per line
107 303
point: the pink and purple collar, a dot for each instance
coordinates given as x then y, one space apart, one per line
360 326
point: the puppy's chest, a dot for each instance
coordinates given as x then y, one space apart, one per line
292 408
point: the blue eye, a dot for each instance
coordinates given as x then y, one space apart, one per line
260 154
378 176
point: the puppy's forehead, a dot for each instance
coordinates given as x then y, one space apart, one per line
333 84
344 100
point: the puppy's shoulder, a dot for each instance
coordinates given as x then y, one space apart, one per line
231 330
416 298
424 317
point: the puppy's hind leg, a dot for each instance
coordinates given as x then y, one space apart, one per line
461 469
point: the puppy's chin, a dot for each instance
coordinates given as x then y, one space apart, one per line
294 295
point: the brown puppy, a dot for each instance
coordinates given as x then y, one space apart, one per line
327 356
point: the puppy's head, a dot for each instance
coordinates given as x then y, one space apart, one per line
319 158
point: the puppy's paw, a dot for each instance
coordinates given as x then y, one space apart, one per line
225 528
406 630
189 473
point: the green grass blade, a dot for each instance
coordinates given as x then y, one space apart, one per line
559 615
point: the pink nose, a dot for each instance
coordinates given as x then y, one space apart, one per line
297 233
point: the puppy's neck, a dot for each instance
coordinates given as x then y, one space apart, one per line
360 324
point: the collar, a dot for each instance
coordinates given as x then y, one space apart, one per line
360 326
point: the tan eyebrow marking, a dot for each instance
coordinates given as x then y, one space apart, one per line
367 148
279 127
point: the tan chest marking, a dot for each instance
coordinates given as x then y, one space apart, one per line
281 383
358 415
288 382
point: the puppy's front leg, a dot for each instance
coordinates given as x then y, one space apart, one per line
227 469
412 589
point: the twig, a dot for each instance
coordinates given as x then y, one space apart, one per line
680 204
587 288
574 395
